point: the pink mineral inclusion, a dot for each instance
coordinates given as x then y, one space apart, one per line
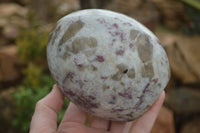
115 25
100 58
122 36
120 52
131 45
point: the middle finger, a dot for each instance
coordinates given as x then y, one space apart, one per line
99 123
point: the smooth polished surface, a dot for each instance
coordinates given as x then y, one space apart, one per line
107 63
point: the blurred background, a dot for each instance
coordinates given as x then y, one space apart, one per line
25 78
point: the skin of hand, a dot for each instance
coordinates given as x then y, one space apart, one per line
44 119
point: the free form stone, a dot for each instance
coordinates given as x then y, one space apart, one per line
106 63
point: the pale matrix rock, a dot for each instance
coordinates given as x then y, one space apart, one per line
108 64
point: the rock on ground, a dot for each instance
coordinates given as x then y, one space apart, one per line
184 56
8 64
184 100
192 126
12 17
7 107
144 12
171 13
9 9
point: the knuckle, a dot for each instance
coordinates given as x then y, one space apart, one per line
39 104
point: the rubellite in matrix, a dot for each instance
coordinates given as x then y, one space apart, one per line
106 63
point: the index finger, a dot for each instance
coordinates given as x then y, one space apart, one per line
145 123
45 116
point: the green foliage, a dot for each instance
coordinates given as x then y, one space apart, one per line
62 111
37 82
32 44
193 3
33 75
192 9
26 99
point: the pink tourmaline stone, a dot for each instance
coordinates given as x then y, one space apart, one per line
108 64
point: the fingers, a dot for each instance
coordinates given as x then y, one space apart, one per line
99 123
117 127
128 127
74 121
76 117
73 115
45 116
145 123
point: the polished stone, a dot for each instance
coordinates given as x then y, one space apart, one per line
108 64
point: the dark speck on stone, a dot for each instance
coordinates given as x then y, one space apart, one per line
125 71
122 68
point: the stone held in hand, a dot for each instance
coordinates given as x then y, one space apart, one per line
107 63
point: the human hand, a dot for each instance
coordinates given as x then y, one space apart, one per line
44 119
